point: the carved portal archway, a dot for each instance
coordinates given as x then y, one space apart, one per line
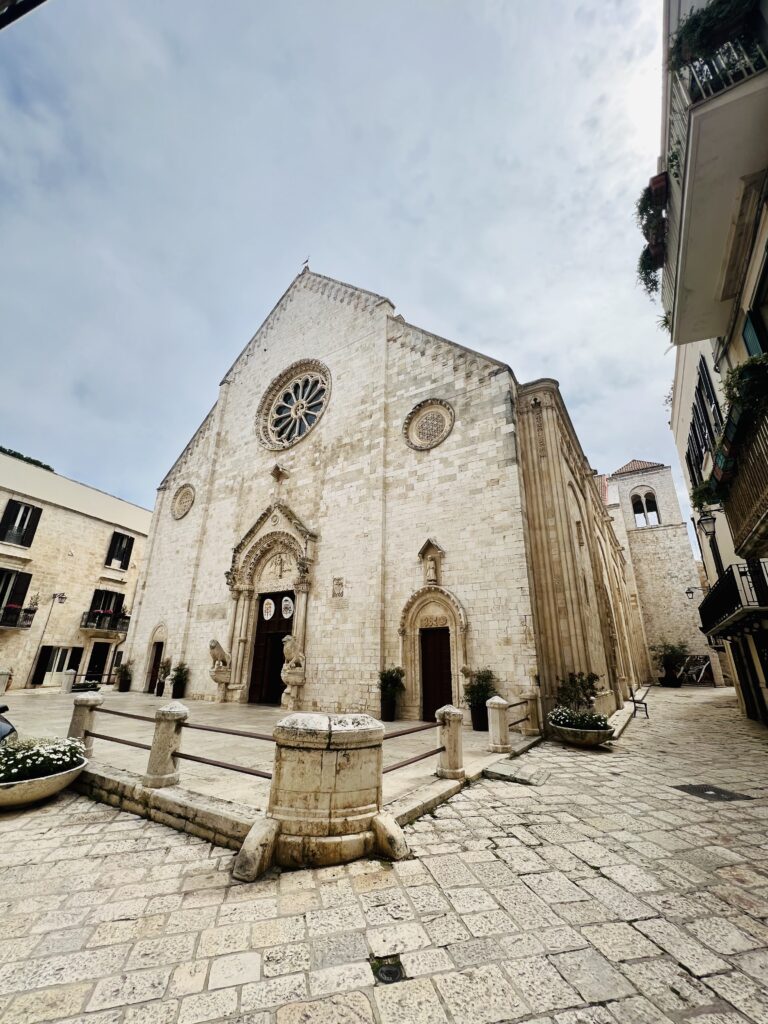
431 607
277 553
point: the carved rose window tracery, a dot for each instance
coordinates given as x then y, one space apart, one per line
293 404
428 424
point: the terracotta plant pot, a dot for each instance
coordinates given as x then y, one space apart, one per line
582 737
29 791
479 715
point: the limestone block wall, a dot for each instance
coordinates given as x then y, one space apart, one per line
67 556
464 494
662 561
333 485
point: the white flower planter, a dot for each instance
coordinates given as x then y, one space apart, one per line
29 791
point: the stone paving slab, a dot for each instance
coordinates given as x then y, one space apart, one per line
572 902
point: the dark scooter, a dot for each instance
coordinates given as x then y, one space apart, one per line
7 729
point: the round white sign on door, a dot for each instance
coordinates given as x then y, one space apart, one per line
268 608
287 607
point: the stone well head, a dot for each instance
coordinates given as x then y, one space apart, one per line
326 787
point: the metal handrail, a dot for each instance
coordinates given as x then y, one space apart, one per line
116 739
224 764
229 732
412 760
415 728
518 721
517 704
124 714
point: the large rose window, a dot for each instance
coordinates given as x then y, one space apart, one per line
293 404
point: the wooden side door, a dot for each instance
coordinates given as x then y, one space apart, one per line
436 682
154 670
266 686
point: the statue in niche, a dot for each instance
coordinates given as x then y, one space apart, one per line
431 569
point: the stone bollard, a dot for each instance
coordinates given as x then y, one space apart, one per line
532 725
162 767
451 763
498 726
67 680
81 722
325 798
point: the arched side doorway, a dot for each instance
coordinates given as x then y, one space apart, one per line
155 656
433 638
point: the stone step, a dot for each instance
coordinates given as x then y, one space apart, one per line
509 771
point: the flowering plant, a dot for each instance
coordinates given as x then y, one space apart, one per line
36 758
569 718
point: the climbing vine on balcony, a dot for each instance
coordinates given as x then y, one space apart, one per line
746 385
708 28
649 215
648 272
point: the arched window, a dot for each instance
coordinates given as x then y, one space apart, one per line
645 509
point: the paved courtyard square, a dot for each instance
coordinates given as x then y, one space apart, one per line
605 896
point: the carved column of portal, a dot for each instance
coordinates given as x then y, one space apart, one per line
244 608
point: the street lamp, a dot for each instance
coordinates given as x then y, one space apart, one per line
707 523
690 591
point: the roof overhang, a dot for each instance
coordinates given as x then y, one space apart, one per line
727 155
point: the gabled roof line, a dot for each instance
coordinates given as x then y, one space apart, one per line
637 466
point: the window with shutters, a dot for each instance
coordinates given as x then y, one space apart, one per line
107 601
13 595
19 523
119 551
755 330
706 423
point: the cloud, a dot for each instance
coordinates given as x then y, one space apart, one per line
165 169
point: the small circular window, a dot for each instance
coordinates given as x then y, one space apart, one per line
293 403
183 500
428 424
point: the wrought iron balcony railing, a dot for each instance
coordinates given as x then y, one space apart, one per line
741 590
746 504
113 622
12 617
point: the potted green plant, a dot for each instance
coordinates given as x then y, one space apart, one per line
33 769
573 720
670 658
179 680
390 685
479 688
124 673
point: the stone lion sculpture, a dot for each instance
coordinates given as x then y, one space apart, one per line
293 654
219 656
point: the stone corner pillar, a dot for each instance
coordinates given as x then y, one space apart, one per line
498 727
162 767
84 707
451 763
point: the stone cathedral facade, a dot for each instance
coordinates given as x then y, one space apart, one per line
365 494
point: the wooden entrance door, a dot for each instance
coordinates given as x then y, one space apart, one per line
436 683
272 624
154 668
97 663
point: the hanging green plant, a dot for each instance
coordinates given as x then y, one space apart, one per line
647 272
706 29
746 386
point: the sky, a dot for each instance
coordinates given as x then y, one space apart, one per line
166 168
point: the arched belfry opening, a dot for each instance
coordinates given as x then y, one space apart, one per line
269 580
645 508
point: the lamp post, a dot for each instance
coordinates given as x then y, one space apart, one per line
61 598
690 591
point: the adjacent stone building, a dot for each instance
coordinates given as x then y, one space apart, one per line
69 565
364 494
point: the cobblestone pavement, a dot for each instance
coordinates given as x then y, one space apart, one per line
605 895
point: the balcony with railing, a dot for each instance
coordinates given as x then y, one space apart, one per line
715 102
104 623
739 594
14 617
746 502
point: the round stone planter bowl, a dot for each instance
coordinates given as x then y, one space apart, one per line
30 791
582 737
